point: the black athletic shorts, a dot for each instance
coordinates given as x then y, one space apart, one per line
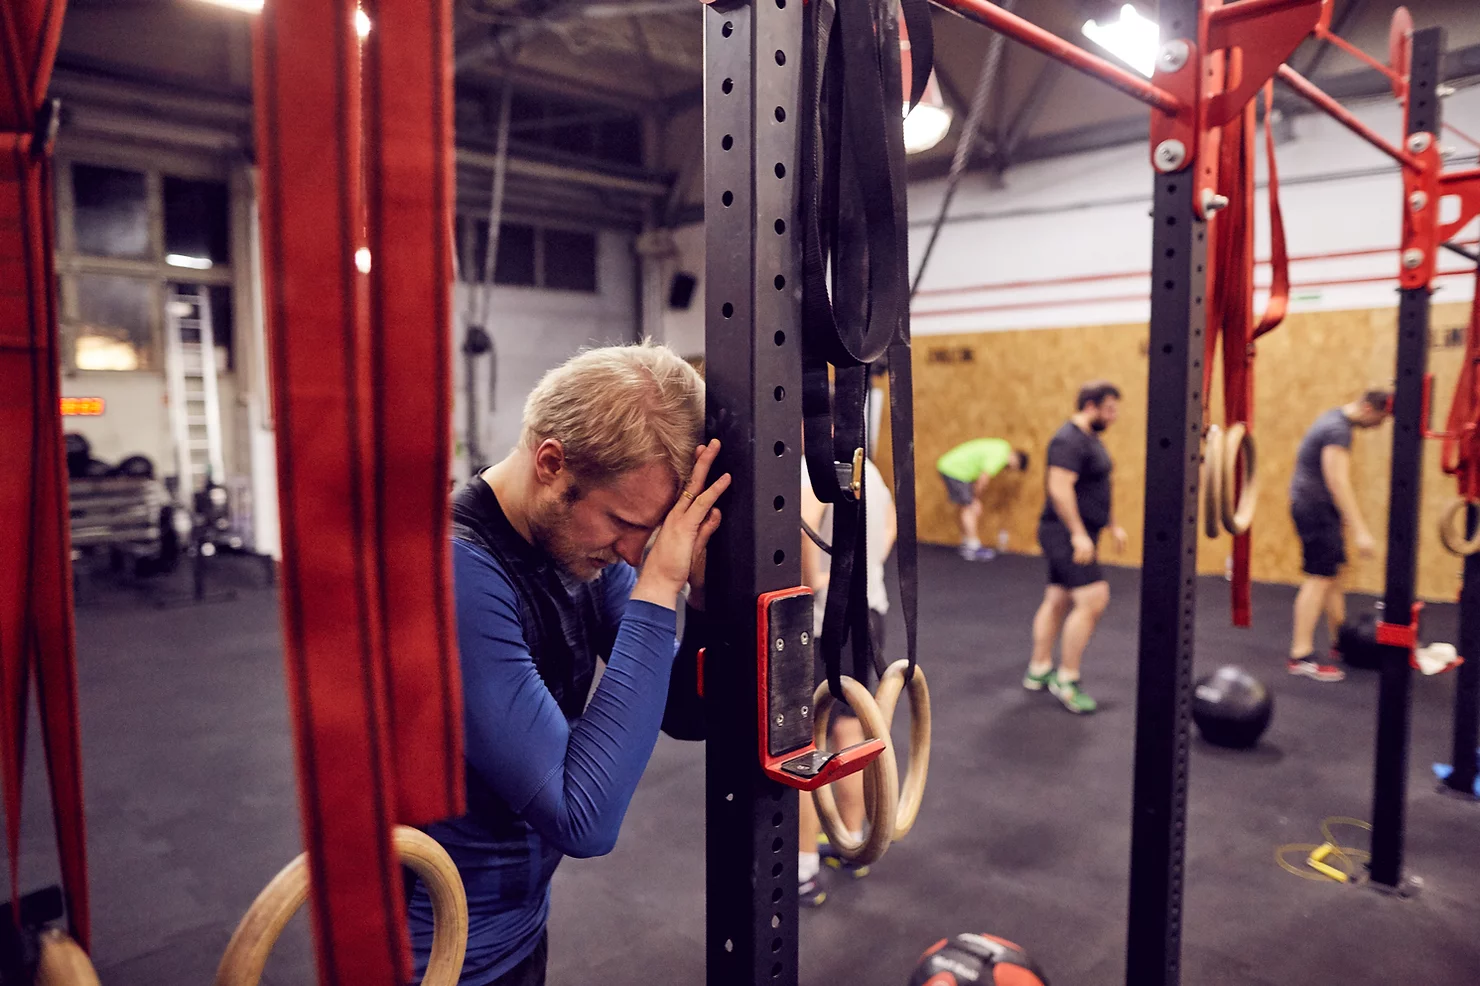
1321 540
876 634
962 494
1058 550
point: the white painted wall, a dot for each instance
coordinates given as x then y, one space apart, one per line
683 329
534 330
135 418
1087 215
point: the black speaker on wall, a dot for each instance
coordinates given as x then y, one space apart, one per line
681 291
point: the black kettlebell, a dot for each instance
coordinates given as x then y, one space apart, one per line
1231 707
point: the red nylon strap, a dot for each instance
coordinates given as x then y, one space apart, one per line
1460 452
410 188
35 567
307 83
1236 258
1279 256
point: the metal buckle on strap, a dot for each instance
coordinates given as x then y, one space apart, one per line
850 475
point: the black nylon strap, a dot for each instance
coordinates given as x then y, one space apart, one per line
854 226
922 45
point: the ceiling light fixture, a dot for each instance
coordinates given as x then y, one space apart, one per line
1133 39
249 6
184 260
928 123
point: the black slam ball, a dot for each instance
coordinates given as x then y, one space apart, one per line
969 959
1231 707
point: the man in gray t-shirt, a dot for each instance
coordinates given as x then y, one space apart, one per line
1321 504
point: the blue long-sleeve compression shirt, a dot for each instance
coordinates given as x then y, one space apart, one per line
571 781
541 785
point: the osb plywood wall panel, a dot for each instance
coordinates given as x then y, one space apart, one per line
1021 386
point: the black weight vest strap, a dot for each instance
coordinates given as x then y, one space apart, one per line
854 226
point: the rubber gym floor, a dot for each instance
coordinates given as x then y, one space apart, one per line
1025 830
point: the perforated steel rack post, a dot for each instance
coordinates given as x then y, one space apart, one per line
1394 697
1164 654
752 55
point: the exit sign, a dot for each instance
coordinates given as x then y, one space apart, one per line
82 407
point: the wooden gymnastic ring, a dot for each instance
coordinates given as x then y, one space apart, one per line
62 962
252 942
880 777
887 696
1453 538
1238 509
1211 479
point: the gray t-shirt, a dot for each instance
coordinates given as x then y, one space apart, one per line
1308 485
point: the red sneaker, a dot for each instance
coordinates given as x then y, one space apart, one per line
1318 672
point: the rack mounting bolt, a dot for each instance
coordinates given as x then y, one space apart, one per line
1173 56
805 637
1412 257
1418 143
1170 155
781 643
1212 201
806 710
780 720
1417 201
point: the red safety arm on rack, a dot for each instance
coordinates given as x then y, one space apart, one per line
35 542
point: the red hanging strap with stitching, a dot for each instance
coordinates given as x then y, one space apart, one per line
309 148
35 548
363 395
410 188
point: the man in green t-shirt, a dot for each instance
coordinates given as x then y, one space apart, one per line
967 469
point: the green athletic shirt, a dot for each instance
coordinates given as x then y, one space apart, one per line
969 460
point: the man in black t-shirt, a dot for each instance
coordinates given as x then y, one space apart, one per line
1075 511
1322 504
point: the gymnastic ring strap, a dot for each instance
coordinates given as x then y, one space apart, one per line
1211 480
1237 501
880 777
62 962
891 683
1452 536
252 942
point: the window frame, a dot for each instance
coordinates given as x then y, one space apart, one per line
468 248
70 263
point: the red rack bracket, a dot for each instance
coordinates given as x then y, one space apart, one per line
1419 252
1268 32
784 673
1465 186
1204 74
1402 635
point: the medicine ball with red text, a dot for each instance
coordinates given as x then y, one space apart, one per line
968 959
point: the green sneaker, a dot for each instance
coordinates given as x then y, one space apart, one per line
1037 682
1073 699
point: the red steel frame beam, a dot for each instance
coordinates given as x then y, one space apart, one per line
1315 95
1055 47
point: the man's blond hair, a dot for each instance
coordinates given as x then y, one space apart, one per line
618 408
